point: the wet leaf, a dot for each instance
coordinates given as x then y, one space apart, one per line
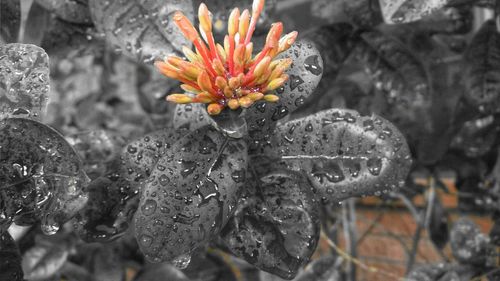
143 30
469 245
402 80
334 42
438 223
10 263
482 69
189 195
161 272
428 272
402 11
10 20
45 259
98 149
41 176
276 224
190 116
24 72
476 137
304 75
140 156
345 154
110 208
75 11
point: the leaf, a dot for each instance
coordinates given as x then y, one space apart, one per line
344 154
61 39
438 223
140 156
37 22
402 79
24 72
45 259
305 74
98 149
403 11
482 69
334 42
276 225
41 176
190 195
10 263
109 211
143 30
469 245
74 11
191 116
428 272
160 272
10 20
476 137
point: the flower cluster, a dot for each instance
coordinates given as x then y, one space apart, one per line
230 75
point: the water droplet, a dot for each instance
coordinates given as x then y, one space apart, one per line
182 261
295 81
312 64
164 180
145 240
149 207
374 166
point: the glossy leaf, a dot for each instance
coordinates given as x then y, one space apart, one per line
98 149
143 30
190 195
469 245
190 116
482 69
110 208
10 262
24 72
476 137
45 259
10 20
140 156
345 154
334 42
428 272
41 176
402 11
75 11
304 75
276 224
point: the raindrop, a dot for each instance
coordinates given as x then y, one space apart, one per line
374 166
312 64
149 207
145 240
295 81
182 261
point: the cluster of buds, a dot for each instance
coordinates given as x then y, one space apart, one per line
230 75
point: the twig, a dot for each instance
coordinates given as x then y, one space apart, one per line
357 262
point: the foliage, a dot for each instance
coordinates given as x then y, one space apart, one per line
102 177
